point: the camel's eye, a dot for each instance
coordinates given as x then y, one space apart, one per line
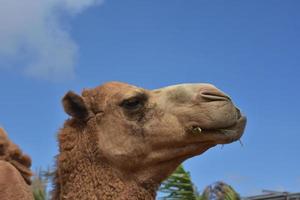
133 104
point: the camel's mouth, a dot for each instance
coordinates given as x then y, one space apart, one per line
221 135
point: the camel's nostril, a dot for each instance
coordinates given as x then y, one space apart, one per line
214 95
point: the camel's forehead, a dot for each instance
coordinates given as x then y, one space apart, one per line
111 89
116 87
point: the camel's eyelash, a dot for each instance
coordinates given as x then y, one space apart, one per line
134 102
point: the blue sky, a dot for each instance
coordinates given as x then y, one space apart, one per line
249 49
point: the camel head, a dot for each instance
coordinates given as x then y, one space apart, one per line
12 154
146 134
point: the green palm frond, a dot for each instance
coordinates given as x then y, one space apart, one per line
179 186
39 184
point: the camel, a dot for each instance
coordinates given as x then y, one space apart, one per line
122 141
15 171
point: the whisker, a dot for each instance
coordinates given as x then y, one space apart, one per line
241 142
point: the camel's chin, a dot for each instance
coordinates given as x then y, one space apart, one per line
233 133
221 135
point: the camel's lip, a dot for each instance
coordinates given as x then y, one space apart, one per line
234 132
223 135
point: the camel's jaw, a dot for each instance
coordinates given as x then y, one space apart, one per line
198 141
220 135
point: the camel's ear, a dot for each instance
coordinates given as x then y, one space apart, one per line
74 106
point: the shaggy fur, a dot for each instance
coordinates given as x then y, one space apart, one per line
14 171
83 174
123 141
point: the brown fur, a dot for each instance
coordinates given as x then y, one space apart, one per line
15 171
81 169
123 141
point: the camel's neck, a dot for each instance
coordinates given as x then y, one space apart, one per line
88 181
81 176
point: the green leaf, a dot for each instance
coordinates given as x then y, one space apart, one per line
40 181
179 187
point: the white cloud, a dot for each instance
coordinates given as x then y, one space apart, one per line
32 30
76 6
